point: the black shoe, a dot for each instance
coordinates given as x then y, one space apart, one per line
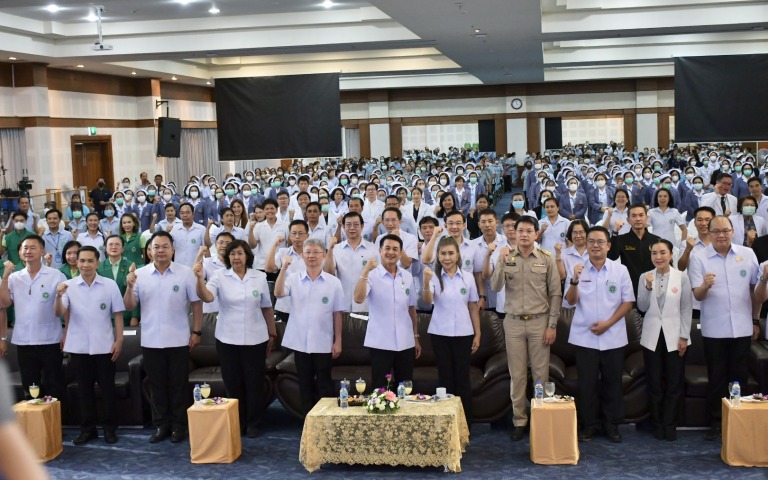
658 432
612 432
252 432
178 435
517 434
586 434
713 434
85 437
109 436
159 435
670 434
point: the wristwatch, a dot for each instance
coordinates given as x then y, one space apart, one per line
574 283
483 297
199 333
553 325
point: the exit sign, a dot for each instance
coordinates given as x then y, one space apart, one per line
91 131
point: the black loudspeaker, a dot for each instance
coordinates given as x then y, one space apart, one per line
553 133
168 137
487 135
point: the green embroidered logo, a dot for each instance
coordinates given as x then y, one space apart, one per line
175 288
255 293
325 300
612 289
467 263
103 306
463 291
46 295
194 240
407 291
743 273
365 262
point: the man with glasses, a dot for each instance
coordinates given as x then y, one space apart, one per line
532 305
347 259
634 247
392 219
601 292
723 276
721 200
298 231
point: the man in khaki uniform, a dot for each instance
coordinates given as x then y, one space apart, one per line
533 296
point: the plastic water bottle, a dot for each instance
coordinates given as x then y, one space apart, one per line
736 394
197 395
401 391
343 396
538 393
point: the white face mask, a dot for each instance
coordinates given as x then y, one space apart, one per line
19 225
689 176
573 187
193 194
167 197
246 193
142 199
291 182
443 182
128 197
647 176
249 178
600 183
551 188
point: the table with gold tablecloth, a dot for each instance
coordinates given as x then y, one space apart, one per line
214 433
553 434
744 433
419 434
41 423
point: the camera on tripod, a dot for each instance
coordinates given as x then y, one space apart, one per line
25 185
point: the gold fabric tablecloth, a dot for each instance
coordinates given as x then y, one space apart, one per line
214 433
42 426
420 434
744 433
553 434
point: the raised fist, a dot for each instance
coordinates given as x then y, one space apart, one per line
279 240
577 269
287 261
649 280
61 289
427 275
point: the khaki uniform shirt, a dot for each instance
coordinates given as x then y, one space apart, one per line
532 284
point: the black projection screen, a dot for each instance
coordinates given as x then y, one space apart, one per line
278 117
721 98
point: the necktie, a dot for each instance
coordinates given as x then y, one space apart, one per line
722 204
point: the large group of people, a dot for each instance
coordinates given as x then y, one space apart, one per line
593 229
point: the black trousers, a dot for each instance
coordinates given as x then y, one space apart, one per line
666 382
38 362
314 372
243 368
727 360
452 357
599 375
282 316
168 375
400 364
90 369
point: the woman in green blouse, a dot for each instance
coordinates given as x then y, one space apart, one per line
69 269
129 231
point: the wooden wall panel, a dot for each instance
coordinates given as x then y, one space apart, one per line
365 138
534 142
6 75
30 75
96 83
395 137
501 133
630 130
180 91
662 122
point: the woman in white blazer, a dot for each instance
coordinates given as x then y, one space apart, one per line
418 208
665 295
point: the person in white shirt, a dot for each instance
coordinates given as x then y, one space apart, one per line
262 235
665 216
553 226
165 290
720 200
298 233
372 206
347 259
214 263
93 236
87 302
227 225
318 228
187 237
245 328
37 332
55 238
392 218
314 332
455 325
665 297
392 336
602 293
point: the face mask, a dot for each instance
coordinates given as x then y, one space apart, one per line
747 173
219 195
698 186
254 191
647 176
142 199
128 197
656 181
109 213
343 181
738 169
693 164
748 210
325 208
119 201
675 178
573 187
518 204
126 185
726 169
551 188
600 183
77 214
19 225
472 180
389 183
667 186
246 193
101 184
354 181
657 168
249 178
193 194
434 172
537 166
689 176
324 178
459 172
151 193
357 195
291 182
381 198
167 197
443 182
275 184
706 162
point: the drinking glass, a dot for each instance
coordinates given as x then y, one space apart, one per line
360 386
34 391
205 390
549 389
408 384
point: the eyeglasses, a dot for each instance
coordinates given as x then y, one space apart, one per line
454 224
592 241
724 231
578 234
298 234
352 225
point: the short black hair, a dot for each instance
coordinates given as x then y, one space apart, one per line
705 209
68 245
246 248
269 201
88 248
600 228
514 216
299 222
224 234
18 213
122 241
37 238
529 220
160 233
575 223
53 210
393 209
393 237
352 215
487 211
429 219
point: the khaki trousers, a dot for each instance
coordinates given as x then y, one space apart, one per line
525 343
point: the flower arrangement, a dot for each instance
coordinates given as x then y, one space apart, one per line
383 400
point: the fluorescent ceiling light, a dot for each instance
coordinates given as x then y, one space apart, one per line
91 17
173 78
214 10
53 8
327 4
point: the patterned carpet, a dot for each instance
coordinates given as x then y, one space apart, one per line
490 455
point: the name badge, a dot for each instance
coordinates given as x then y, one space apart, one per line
629 248
539 265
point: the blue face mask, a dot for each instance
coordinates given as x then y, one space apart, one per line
518 204
109 213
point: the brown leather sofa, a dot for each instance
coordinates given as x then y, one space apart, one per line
488 374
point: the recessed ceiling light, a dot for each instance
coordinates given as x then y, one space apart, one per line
80 66
327 4
173 78
214 10
133 73
183 2
207 83
11 58
53 8
477 30
91 17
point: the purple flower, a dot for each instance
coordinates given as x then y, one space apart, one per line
388 376
381 390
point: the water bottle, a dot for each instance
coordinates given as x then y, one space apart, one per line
343 396
401 391
197 395
538 393
736 394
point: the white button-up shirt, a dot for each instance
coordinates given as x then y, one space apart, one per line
601 293
211 265
554 233
54 244
266 236
97 242
389 323
240 320
410 245
663 223
187 242
501 294
481 251
297 264
165 300
727 310
313 303
90 314
349 264
36 323
450 317
237 232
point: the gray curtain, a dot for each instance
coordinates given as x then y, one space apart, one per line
351 142
13 155
199 155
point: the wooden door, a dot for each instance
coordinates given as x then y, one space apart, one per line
91 160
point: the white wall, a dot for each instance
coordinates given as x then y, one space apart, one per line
380 140
517 136
647 130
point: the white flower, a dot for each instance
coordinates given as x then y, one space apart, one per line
380 406
391 404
